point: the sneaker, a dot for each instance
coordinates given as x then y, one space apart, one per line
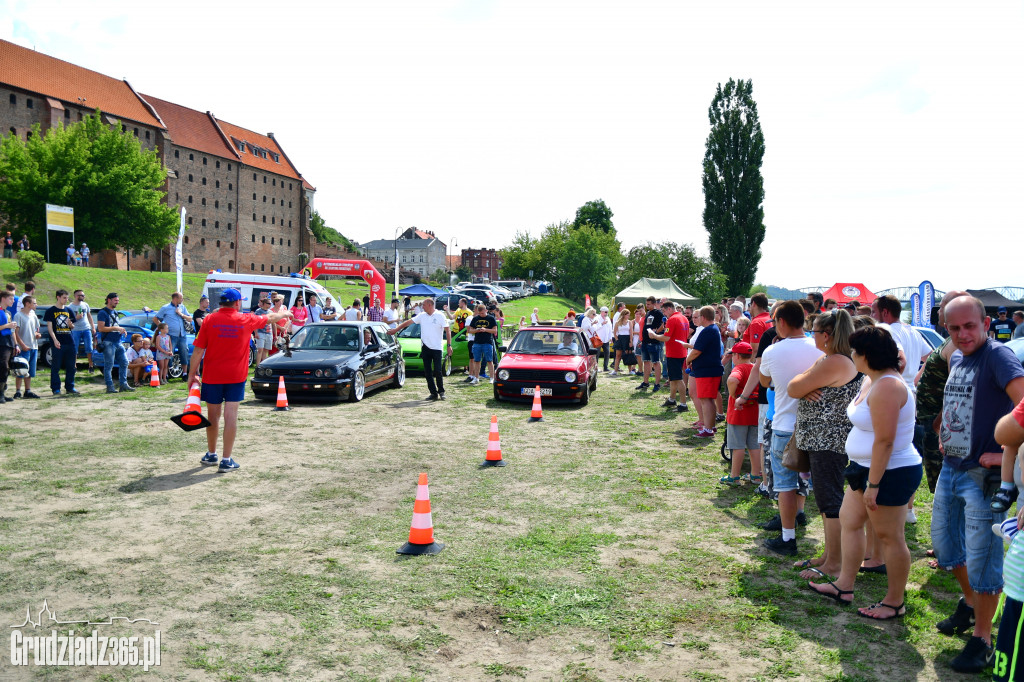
3 399
613 373
719 418
493 380
475 382
126 387
780 546
440 396
228 465
669 403
30 394
17 394
467 380
56 392
962 620
976 656
73 391
657 387
432 396
681 407
208 459
644 386
1003 499
776 523
911 516
484 375
706 433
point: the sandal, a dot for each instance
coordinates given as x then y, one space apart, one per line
837 596
730 480
747 478
895 611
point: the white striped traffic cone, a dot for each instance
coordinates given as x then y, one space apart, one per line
493 458
421 533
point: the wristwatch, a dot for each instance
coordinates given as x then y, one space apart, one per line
873 485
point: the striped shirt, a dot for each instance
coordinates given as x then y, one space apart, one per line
1013 569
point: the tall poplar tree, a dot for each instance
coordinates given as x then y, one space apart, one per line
733 186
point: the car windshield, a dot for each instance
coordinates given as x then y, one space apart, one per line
543 342
326 337
410 332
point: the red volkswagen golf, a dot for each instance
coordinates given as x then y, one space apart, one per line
558 359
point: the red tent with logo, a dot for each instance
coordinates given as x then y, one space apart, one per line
844 292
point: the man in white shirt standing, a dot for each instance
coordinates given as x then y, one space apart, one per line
887 310
792 354
605 331
434 329
392 314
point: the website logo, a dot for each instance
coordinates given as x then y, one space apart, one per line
69 643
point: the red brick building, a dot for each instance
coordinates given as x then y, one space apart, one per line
484 263
247 206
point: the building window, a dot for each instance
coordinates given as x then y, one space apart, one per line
216 224
289 185
229 166
217 164
254 239
229 226
254 179
289 223
231 265
186 261
13 131
80 118
190 198
67 115
272 220
273 200
190 220
264 239
14 98
230 186
271 241
204 222
229 205
252 266
274 182
264 198
204 160
264 218
289 204
191 157
232 245
147 134
190 177
28 103
204 201
202 242
218 242
204 181
186 239
289 242
175 153
254 217
216 203
254 196
135 132
216 183
261 267
264 179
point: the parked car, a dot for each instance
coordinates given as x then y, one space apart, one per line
144 323
478 291
1017 346
931 337
334 360
452 301
409 339
558 359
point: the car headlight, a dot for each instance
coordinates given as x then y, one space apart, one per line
261 372
318 373
570 377
328 373
503 374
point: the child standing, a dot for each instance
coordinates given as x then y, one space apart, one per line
164 351
741 423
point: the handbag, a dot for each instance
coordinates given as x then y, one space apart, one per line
596 341
629 358
795 459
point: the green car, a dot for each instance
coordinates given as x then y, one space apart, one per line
409 338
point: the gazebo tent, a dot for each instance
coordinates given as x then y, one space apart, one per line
638 291
992 300
844 292
421 290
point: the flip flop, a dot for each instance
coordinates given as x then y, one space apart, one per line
873 569
837 596
806 563
812 569
895 611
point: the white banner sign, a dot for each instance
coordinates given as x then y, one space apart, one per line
177 250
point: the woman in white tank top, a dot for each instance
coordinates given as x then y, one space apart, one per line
883 474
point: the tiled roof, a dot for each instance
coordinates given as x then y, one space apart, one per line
191 128
33 71
275 161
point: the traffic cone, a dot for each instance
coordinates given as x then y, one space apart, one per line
282 397
421 533
493 446
536 415
154 376
192 418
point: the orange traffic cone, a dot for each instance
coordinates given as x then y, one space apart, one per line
192 418
282 397
493 458
421 533
154 376
535 414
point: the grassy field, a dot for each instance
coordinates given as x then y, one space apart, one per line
605 550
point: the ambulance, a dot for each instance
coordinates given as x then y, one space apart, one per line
295 288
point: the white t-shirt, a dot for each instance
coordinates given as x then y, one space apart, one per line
913 346
352 314
315 312
432 329
604 328
391 317
534 319
28 325
782 361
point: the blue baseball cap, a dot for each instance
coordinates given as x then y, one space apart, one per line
231 295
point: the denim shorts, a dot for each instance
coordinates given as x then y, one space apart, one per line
215 394
785 480
962 530
32 356
483 352
650 352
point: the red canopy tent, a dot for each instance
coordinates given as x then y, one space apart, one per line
844 292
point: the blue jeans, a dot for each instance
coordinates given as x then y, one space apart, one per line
783 479
81 336
962 530
63 358
113 352
180 345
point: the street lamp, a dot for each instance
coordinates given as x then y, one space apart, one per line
397 230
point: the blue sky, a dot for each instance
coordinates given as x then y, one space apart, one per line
891 129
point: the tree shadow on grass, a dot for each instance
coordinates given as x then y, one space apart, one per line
174 481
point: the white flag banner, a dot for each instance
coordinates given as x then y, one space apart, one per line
177 249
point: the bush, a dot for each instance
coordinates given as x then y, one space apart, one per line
31 263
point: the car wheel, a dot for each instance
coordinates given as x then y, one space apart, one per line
399 375
252 357
593 383
174 368
585 394
446 366
355 394
48 356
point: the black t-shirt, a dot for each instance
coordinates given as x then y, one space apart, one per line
1003 329
767 339
109 318
485 322
63 320
8 243
653 322
197 318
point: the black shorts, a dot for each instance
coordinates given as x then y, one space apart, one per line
896 487
674 368
827 474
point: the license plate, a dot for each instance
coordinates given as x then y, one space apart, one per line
543 391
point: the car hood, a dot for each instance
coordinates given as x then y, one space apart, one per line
525 361
307 358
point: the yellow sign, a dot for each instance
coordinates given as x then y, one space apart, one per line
60 218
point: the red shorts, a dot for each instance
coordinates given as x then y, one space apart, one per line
707 387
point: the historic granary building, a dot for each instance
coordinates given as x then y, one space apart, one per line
247 206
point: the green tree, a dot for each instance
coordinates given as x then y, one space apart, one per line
694 274
521 257
103 173
595 213
582 260
464 273
733 186
328 235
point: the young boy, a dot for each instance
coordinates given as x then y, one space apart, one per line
27 339
1010 434
741 423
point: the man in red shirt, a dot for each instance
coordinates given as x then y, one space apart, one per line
677 333
223 341
759 322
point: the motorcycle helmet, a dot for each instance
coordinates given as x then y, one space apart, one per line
19 366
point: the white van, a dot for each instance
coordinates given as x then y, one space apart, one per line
291 287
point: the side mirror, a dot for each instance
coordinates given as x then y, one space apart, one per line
503 349
593 351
